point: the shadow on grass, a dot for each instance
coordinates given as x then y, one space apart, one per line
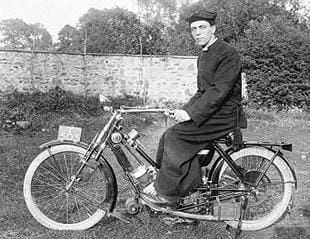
305 210
291 232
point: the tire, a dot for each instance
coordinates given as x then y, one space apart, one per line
269 202
57 208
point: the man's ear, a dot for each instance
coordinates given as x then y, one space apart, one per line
213 27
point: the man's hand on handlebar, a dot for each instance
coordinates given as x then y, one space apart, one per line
180 115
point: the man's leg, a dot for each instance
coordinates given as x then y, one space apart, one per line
160 149
180 170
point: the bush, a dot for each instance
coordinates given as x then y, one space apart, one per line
276 60
46 110
57 100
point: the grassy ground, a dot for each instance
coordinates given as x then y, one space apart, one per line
18 149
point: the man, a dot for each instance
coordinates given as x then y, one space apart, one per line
211 113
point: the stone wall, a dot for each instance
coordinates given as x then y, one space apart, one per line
159 78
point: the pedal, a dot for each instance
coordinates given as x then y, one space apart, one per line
132 206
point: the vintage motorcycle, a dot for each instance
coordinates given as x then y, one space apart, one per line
71 185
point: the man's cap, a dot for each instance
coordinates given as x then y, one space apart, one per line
203 15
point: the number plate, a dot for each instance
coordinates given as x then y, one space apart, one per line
69 133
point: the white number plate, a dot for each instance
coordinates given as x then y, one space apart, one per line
69 133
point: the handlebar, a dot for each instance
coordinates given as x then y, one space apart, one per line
131 110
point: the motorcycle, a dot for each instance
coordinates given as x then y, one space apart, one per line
72 185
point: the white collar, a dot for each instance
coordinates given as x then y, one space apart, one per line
213 40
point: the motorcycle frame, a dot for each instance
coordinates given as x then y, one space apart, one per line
102 140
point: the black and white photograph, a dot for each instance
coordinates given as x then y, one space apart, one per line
148 119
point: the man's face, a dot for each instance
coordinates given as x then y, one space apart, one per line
202 32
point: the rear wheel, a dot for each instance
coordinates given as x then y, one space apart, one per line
268 202
55 206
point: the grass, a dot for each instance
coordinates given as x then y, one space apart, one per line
18 148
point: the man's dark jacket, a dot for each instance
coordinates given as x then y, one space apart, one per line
218 82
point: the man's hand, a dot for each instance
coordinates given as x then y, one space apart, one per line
181 115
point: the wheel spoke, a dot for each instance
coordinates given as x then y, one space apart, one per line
90 192
38 198
45 178
86 200
52 174
66 168
261 165
67 209
49 184
59 211
50 201
77 206
73 162
85 195
55 170
229 177
274 183
60 168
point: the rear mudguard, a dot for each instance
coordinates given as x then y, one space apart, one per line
216 167
85 146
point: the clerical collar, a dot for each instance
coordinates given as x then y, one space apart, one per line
206 47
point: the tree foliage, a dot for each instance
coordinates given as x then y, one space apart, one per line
113 31
69 39
274 43
158 10
110 31
277 64
19 35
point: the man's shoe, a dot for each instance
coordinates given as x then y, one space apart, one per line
150 195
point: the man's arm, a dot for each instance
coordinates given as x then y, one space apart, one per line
192 100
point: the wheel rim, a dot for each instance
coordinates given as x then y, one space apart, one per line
55 201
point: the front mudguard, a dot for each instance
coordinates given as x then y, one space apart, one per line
58 142
218 163
112 177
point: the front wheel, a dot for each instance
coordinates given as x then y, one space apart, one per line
49 198
268 202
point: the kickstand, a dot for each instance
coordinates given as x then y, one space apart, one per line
241 217
119 216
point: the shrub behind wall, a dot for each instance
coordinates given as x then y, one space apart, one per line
277 63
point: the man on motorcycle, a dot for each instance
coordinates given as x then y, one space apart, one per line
211 113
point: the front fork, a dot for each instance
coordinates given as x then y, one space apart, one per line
96 147
89 154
